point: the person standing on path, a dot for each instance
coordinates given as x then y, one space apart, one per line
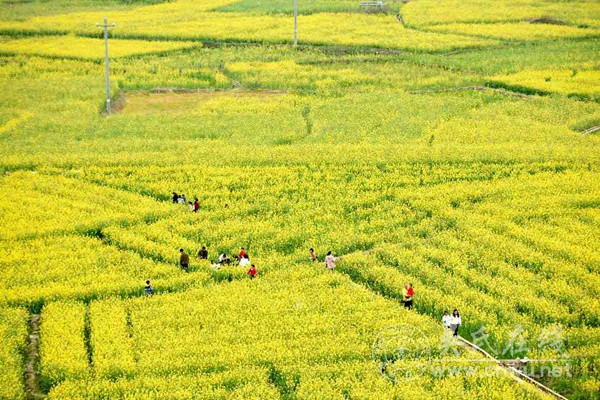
184 260
446 318
330 261
455 322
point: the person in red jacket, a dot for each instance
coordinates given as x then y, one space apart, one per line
196 205
411 294
242 253
252 271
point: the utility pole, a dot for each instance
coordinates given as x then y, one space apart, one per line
295 22
106 63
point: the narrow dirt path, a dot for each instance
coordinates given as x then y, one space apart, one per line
31 376
591 130
517 375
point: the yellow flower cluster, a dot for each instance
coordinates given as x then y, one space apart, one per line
76 206
13 333
63 353
111 340
431 12
574 82
516 31
59 267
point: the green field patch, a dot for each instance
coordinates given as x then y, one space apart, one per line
199 102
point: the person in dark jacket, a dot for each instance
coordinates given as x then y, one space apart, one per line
184 260
148 289
203 253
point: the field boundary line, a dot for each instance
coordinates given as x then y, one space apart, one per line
516 374
208 42
474 88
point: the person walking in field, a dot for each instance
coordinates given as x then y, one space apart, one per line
181 199
446 319
330 261
407 296
455 322
252 271
313 255
184 260
242 253
203 253
191 206
411 294
175 198
196 205
148 289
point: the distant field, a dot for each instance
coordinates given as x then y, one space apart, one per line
440 143
86 48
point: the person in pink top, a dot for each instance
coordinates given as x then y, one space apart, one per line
330 261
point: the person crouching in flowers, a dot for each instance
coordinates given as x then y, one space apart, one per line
252 271
245 261
224 259
148 289
330 261
455 322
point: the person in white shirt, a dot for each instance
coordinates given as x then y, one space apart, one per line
455 322
330 261
224 259
245 261
446 319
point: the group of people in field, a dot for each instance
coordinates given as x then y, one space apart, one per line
450 321
329 259
242 259
180 199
